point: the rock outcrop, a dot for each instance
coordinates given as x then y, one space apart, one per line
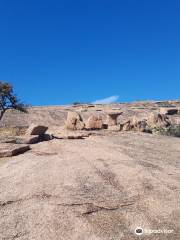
74 121
127 126
112 117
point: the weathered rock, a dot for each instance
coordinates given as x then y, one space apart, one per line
79 125
127 126
94 122
139 124
112 117
168 111
9 150
36 129
74 121
143 127
115 128
156 120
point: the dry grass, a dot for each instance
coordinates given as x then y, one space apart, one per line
12 131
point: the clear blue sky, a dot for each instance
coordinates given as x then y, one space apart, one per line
57 52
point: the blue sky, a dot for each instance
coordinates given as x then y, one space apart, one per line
58 52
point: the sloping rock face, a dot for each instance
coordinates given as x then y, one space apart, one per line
94 122
74 121
9 150
101 188
36 129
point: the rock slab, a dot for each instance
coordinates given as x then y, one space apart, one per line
36 129
9 150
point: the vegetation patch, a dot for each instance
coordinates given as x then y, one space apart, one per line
12 131
173 131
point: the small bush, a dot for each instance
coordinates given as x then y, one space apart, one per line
173 131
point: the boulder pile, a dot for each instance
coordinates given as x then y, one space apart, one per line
149 124
112 117
153 121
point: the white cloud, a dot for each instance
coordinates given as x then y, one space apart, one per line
107 100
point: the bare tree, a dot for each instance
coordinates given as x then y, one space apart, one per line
8 100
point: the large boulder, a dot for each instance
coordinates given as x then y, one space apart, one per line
157 120
74 121
35 129
9 150
94 122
